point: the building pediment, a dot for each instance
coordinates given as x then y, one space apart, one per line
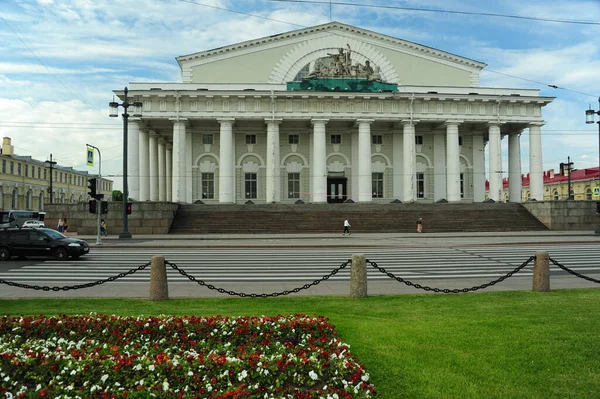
284 57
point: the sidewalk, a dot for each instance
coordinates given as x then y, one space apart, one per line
338 240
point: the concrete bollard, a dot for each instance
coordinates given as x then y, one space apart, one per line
541 272
358 277
159 290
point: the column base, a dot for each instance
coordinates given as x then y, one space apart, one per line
125 235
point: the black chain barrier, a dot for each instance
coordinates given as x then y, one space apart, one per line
573 272
243 294
447 290
74 287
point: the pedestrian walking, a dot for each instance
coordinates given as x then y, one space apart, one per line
346 227
60 226
420 225
103 230
65 226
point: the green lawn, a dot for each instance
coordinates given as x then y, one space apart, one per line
513 344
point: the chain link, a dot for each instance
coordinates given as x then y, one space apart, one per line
73 287
252 295
447 290
573 272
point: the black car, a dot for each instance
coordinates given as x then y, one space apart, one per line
40 242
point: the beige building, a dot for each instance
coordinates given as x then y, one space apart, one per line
25 182
330 113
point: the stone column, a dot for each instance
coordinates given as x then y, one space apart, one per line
409 157
133 158
188 168
226 162
452 162
536 172
397 151
514 167
179 159
144 151
273 185
319 163
153 166
478 167
169 171
495 162
162 166
365 178
439 166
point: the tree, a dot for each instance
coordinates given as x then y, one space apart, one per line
117 195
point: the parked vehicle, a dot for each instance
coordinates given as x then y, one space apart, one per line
40 242
33 223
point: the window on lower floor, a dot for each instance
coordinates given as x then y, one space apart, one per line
294 139
377 184
208 185
588 194
207 139
419 140
251 139
556 198
377 139
250 185
293 185
460 140
462 185
420 185
336 139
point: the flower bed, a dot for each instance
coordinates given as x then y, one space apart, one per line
104 356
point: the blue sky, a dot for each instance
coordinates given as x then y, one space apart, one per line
60 60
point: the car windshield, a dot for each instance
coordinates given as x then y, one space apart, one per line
54 234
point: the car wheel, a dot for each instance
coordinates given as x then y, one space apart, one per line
61 253
4 253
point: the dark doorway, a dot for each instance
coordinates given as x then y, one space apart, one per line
336 189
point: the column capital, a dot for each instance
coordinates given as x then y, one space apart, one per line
182 120
315 121
152 133
495 123
168 146
539 124
369 121
451 122
275 121
134 119
226 120
409 121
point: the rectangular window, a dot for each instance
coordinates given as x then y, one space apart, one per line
207 139
462 185
250 185
39 173
336 139
18 169
460 141
377 139
251 139
61 177
70 179
208 185
12 168
419 140
26 170
420 185
45 174
4 166
294 139
293 185
377 183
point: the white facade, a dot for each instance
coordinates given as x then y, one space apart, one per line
233 131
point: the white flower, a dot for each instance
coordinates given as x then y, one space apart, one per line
365 377
151 367
165 385
313 375
104 378
190 373
242 375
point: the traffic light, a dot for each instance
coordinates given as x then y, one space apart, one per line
129 208
92 187
104 207
92 206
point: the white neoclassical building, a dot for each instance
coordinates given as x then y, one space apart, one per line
325 114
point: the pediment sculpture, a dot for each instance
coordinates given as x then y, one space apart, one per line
339 65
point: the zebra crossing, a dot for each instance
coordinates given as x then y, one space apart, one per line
302 266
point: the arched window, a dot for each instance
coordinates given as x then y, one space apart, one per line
28 200
588 194
15 199
572 194
556 196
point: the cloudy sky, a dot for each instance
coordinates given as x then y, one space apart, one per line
60 60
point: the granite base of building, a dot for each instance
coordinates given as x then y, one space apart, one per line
565 215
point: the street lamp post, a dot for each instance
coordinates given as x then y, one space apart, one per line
589 118
114 112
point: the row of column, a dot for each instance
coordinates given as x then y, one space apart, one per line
161 172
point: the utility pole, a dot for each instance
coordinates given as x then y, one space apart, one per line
51 163
568 167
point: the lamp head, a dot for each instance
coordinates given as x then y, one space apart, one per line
589 116
113 109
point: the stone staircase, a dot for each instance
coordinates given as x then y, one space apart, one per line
365 218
